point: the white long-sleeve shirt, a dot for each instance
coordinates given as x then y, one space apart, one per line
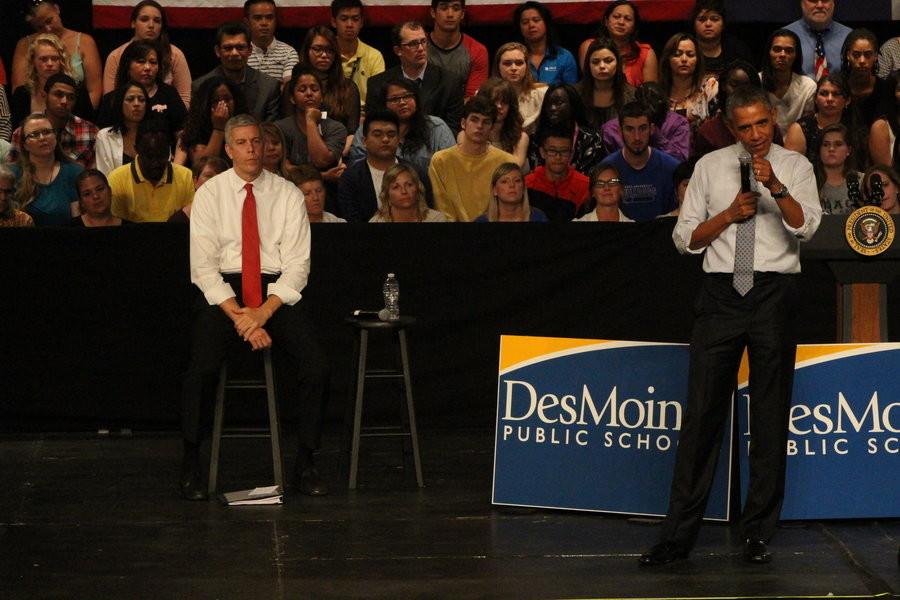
216 235
715 183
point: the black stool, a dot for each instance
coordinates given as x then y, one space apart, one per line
267 384
363 326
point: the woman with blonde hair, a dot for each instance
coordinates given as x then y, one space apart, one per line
509 198
402 198
46 55
511 64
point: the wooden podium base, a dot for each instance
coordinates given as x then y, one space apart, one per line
862 312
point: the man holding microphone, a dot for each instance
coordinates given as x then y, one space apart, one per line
750 234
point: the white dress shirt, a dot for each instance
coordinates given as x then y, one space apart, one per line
216 235
108 148
798 101
713 187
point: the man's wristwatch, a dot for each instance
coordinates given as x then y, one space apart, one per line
781 193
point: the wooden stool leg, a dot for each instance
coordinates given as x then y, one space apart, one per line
358 405
414 435
274 427
217 431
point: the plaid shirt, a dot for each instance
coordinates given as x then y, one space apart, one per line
76 139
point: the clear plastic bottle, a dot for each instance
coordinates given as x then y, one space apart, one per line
391 292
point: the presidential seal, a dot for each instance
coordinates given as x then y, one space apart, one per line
869 230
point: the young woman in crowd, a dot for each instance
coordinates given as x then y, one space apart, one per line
859 64
839 183
80 48
95 201
218 99
310 136
273 148
511 64
890 182
340 96
309 180
148 20
563 111
506 133
620 23
421 135
603 87
45 56
681 75
832 106
885 131
10 216
140 62
115 144
549 62
46 179
509 198
402 198
606 197
714 133
718 50
792 93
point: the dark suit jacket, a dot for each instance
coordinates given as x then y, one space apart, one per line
440 94
261 92
357 200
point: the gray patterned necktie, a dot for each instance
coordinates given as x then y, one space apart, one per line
744 242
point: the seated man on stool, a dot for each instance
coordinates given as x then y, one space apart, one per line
248 230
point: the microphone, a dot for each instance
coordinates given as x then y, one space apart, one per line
746 165
876 185
383 314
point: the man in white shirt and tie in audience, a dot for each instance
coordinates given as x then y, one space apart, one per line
250 248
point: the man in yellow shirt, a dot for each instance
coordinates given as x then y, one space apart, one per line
461 176
151 188
359 60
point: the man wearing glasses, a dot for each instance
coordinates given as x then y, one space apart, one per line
556 187
440 92
646 172
261 92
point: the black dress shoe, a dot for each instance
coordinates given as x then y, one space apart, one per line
191 484
663 553
756 551
311 483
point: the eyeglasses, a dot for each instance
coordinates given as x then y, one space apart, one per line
557 153
39 133
322 50
399 99
413 44
605 183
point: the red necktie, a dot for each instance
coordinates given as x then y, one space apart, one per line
251 276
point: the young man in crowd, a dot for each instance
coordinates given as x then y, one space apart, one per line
360 184
359 60
151 188
556 187
461 176
262 93
454 51
267 55
76 136
441 93
645 172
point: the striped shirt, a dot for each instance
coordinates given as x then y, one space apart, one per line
277 61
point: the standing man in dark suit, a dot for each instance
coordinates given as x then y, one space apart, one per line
440 92
261 92
749 228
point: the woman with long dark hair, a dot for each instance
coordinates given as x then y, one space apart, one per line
859 65
115 144
708 23
682 75
506 133
884 135
621 23
836 176
218 99
832 106
791 92
603 87
548 61
148 20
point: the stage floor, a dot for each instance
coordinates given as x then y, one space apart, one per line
99 517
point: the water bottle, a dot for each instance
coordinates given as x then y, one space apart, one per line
391 292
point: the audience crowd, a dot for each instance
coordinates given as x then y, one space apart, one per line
450 133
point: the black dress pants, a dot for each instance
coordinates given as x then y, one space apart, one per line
725 324
292 333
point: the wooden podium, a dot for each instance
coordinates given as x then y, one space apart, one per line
861 280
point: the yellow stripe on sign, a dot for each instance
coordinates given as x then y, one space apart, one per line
515 349
804 352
